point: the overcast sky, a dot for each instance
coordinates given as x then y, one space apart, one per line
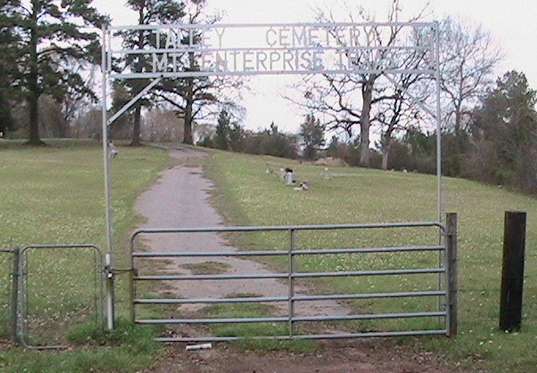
513 24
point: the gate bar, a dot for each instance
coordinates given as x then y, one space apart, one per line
282 253
291 281
252 320
296 298
282 228
204 26
291 276
254 276
306 337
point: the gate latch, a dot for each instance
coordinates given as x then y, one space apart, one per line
108 271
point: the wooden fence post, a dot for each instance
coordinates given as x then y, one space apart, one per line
514 243
452 273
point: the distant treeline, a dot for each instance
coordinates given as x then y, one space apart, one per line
496 144
233 137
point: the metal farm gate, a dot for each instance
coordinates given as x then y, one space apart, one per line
446 293
277 49
19 318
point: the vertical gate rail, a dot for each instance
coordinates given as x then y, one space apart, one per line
13 292
22 275
447 310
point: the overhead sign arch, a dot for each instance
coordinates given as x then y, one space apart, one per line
273 49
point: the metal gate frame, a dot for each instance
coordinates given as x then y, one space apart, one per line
447 268
20 289
107 75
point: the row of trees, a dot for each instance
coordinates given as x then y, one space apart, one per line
230 135
51 49
497 144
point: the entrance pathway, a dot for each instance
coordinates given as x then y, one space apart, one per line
181 198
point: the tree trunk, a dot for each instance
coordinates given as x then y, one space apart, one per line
187 135
138 85
33 86
33 103
365 124
458 120
386 153
136 126
458 145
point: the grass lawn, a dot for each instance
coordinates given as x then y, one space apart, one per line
248 195
54 194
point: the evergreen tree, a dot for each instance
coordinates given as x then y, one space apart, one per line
221 137
506 122
9 78
312 132
332 150
50 33
236 137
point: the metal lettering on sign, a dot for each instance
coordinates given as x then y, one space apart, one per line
304 48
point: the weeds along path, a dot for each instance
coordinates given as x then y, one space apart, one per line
181 199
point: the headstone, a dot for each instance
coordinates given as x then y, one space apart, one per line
289 177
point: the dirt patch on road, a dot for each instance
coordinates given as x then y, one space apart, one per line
207 268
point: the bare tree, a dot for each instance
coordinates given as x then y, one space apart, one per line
198 99
80 95
402 105
337 96
468 59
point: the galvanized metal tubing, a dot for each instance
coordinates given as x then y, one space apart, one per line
107 169
291 275
414 333
108 74
188 26
21 317
13 301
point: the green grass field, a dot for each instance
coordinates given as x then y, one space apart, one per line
54 195
248 195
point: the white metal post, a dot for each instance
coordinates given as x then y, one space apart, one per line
438 123
439 150
109 280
